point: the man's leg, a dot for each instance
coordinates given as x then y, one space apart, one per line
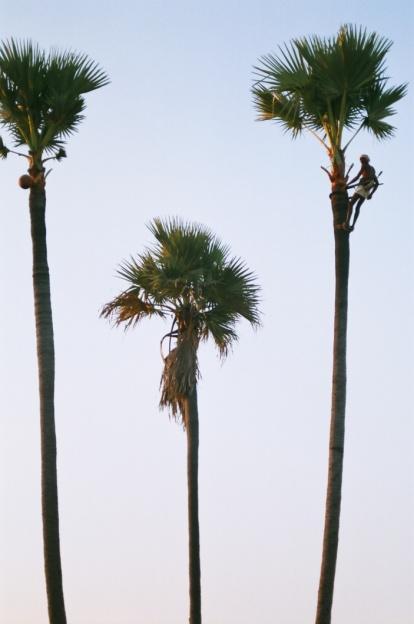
357 210
351 203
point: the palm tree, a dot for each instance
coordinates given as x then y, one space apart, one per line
328 87
41 105
189 278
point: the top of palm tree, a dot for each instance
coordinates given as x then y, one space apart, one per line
41 95
326 85
189 276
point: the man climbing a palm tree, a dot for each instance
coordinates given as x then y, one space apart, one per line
368 184
333 88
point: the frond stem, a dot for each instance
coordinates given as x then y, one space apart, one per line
353 137
328 134
20 154
332 123
317 137
341 120
33 132
349 170
171 334
328 172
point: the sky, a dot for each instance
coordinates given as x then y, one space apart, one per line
174 134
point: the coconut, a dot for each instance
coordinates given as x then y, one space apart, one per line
25 181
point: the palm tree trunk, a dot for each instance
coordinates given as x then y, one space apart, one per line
337 429
46 372
191 425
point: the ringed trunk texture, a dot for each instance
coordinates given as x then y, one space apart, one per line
192 429
46 372
339 199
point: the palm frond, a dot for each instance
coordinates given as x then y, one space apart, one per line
220 325
130 307
74 72
282 108
378 104
288 73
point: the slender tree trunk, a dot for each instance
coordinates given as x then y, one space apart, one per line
46 371
337 429
191 425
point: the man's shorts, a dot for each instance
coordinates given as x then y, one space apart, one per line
364 190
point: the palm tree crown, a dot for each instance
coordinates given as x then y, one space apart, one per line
327 86
41 96
189 277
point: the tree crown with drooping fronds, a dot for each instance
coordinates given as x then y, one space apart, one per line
189 277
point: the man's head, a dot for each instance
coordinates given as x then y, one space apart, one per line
364 159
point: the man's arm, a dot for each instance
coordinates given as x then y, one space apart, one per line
359 174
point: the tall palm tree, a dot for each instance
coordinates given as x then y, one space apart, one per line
328 87
41 105
189 278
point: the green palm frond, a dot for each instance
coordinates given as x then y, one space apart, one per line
288 73
378 104
41 96
220 325
185 247
240 291
327 85
282 108
75 72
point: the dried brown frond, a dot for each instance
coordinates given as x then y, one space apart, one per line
129 308
180 375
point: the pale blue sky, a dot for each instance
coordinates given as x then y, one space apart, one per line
174 134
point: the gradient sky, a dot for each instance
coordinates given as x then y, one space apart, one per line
174 134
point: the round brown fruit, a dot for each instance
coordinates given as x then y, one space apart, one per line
25 181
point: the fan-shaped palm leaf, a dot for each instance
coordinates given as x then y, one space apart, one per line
378 105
